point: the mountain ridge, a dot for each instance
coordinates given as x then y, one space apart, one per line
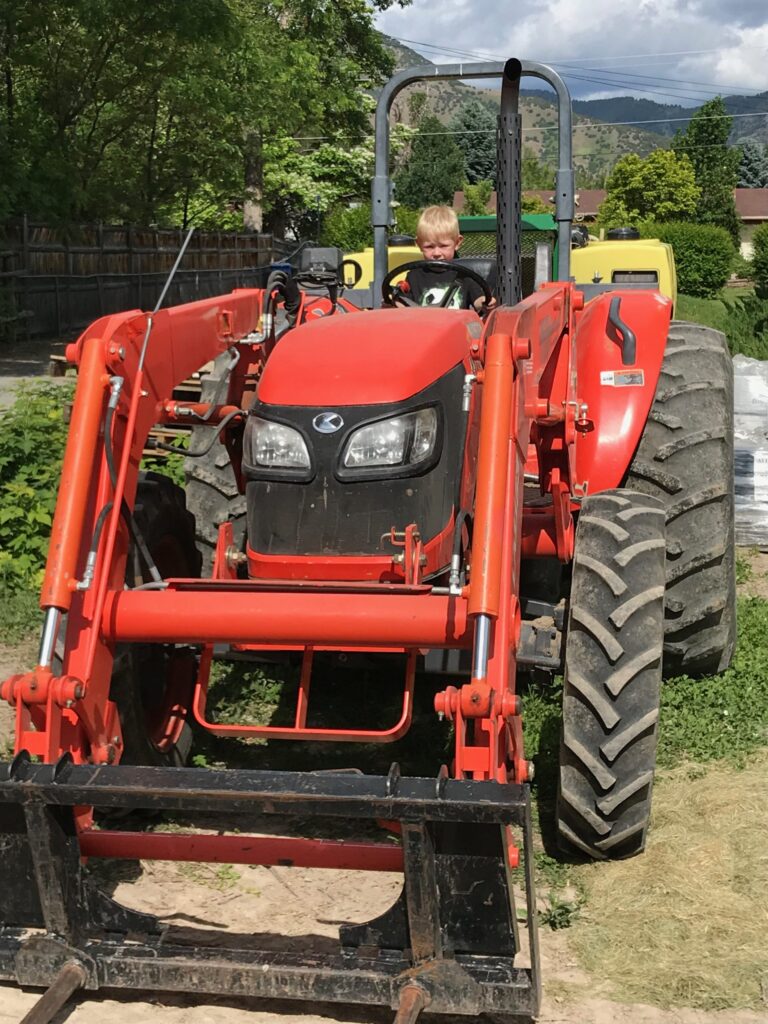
603 129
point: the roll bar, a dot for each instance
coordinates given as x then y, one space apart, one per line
508 230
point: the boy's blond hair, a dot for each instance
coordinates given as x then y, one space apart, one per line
437 222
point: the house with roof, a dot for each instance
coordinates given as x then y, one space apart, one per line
751 208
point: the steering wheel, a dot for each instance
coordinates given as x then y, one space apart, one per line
391 296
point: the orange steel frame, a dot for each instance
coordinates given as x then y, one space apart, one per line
523 350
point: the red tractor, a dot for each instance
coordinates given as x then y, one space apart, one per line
451 497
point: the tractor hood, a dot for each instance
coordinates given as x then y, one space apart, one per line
367 358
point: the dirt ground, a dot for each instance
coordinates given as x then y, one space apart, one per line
23 360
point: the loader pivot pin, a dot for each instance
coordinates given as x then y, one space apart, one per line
70 978
413 999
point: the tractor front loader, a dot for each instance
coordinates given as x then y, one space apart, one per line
452 499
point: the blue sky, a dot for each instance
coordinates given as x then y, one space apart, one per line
671 51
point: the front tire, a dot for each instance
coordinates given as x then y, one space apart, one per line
152 684
612 677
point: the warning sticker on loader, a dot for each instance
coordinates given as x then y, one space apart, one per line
622 378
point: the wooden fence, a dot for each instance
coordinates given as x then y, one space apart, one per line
55 281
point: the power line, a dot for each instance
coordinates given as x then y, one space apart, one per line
542 128
656 78
680 83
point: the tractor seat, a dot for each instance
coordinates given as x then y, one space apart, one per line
485 266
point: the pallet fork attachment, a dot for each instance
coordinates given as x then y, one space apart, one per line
448 943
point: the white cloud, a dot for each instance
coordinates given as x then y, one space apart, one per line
668 50
746 61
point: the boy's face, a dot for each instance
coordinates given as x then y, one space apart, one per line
441 247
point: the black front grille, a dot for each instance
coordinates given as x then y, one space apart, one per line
329 516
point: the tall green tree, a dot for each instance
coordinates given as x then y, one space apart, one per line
661 187
475 135
705 142
535 173
123 109
476 198
753 168
435 168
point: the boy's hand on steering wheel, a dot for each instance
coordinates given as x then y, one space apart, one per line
483 307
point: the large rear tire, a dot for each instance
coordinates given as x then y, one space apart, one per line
612 676
685 459
152 683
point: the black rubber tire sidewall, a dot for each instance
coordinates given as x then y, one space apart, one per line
169 532
685 459
612 676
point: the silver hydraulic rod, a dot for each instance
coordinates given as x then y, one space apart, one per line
51 625
482 647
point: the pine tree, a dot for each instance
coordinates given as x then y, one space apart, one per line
435 168
715 164
753 170
535 173
475 128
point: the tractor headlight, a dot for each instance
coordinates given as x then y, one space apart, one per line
405 440
274 445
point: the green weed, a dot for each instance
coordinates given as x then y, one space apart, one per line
245 693
32 442
169 463
560 913
738 313
744 570
723 716
222 877
20 615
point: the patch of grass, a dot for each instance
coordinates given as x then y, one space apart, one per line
20 615
542 718
710 312
32 442
744 570
737 312
726 716
560 913
244 692
221 877
684 925
562 892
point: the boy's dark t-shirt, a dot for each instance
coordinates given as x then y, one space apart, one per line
429 284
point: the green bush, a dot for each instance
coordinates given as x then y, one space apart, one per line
760 261
406 220
476 198
350 228
32 438
743 319
742 267
747 326
703 255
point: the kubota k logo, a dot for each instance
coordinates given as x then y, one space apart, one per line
327 422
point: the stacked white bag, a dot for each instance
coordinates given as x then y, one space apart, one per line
750 423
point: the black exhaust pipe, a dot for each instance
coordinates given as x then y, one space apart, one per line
508 186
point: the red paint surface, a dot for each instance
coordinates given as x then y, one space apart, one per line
383 355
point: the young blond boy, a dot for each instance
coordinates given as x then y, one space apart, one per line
437 235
